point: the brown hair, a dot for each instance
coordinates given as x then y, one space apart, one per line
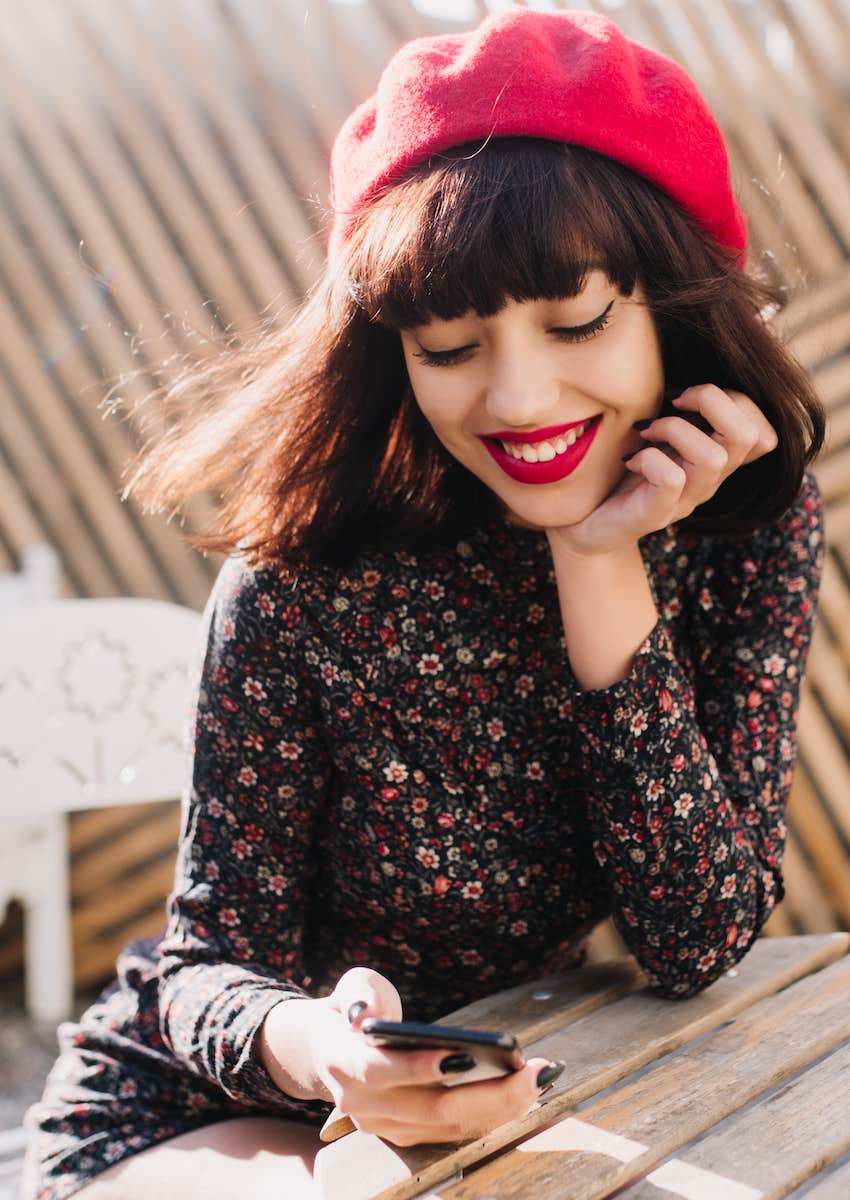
310 434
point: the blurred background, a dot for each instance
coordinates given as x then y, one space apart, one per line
163 176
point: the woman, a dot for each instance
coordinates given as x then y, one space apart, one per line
523 562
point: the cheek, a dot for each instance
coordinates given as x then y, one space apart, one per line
629 372
440 403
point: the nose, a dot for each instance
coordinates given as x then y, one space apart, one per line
521 393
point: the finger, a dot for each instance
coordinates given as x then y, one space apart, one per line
738 423
695 447
459 1113
768 439
362 992
658 469
392 1067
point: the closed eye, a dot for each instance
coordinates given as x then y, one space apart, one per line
564 333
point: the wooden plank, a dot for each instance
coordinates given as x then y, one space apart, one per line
600 1049
158 75
818 835
196 45
617 1139
40 300
775 1145
94 962
155 839
781 924
834 1186
20 527
819 163
186 220
531 1011
808 69
810 305
832 382
827 762
804 894
87 827
829 336
135 893
135 219
37 473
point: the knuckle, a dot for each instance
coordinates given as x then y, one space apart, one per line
719 456
750 434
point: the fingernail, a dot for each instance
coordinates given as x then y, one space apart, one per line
626 457
457 1062
644 424
550 1074
356 1009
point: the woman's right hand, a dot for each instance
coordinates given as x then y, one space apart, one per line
398 1094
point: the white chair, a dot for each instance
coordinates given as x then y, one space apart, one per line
94 703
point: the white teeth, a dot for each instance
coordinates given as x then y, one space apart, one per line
544 451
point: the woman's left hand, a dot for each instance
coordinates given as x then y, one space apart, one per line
664 486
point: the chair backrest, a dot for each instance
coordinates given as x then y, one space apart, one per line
94 703
35 583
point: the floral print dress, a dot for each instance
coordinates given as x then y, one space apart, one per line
394 766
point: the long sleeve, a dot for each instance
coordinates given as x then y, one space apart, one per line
257 778
688 772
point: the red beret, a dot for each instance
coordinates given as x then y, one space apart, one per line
568 76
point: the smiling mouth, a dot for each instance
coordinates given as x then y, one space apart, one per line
545 449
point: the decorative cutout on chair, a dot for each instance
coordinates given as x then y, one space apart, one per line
95 709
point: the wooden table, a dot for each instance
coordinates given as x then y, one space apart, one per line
739 1093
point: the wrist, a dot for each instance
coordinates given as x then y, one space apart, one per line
285 1045
624 562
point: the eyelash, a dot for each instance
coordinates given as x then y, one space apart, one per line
579 333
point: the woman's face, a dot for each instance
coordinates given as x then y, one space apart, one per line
590 363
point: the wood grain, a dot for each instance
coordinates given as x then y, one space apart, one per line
600 1049
779 1142
615 1140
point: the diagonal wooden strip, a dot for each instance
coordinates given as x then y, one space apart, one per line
805 900
822 843
628 1132
532 1010
834 1186
775 1145
599 1050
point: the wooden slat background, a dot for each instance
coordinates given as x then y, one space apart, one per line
163 165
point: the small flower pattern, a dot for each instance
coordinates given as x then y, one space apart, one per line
393 766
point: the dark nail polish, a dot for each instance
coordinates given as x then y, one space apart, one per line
643 424
550 1074
355 1010
457 1062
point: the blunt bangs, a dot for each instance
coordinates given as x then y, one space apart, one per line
517 218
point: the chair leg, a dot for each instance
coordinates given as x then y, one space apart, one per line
49 989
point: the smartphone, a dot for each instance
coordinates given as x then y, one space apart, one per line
495 1054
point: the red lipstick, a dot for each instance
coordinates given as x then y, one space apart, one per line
544 472
537 435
